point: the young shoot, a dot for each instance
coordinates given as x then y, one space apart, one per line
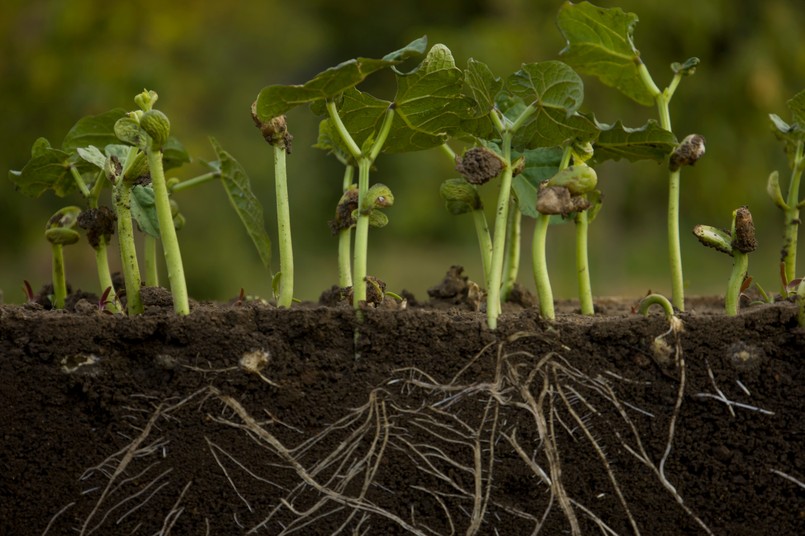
363 126
738 243
600 43
275 132
461 197
793 137
563 194
59 232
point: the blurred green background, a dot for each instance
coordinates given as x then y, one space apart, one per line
62 60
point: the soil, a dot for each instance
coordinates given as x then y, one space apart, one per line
244 418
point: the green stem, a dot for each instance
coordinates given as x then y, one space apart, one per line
361 238
538 253
656 299
79 181
283 227
151 265
345 238
582 264
58 278
448 151
128 252
674 248
167 233
739 268
512 260
195 181
362 225
95 193
540 264
105 277
663 99
353 148
499 240
792 215
484 241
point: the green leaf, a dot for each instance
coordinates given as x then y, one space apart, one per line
362 115
128 130
600 43
48 169
273 101
429 104
649 142
238 188
797 106
773 190
330 141
556 92
687 68
174 154
143 209
97 130
540 164
93 155
482 85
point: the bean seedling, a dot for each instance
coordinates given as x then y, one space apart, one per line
600 43
739 242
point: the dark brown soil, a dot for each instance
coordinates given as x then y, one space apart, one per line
243 417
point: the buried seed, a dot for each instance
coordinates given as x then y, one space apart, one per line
71 363
745 357
254 362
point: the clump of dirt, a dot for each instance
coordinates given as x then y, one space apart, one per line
243 416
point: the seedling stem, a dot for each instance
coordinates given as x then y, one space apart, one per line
663 99
792 213
283 226
167 232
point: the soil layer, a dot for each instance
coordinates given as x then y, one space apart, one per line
243 417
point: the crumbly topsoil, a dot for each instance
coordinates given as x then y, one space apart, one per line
244 418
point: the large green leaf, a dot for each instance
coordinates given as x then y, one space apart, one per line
238 188
429 103
97 130
540 164
482 85
48 169
273 101
649 142
600 43
556 91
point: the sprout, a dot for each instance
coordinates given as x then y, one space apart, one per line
59 232
738 242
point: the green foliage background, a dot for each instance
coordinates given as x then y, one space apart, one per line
207 60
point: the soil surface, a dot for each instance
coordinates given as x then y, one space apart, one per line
243 418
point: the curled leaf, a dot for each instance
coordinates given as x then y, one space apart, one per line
378 196
773 189
686 68
460 197
714 237
579 179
